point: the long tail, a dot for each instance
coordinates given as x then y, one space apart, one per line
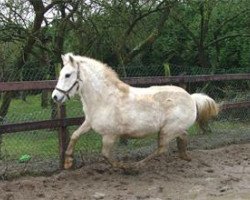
207 109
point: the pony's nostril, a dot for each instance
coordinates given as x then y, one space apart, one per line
55 98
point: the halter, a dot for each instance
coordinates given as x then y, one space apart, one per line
66 92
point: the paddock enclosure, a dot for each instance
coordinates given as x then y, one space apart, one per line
34 137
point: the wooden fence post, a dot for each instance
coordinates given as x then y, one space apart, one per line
63 136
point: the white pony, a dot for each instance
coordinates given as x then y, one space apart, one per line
114 109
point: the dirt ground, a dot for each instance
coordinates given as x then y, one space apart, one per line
219 174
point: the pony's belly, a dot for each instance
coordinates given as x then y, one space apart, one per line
133 129
140 129
125 131
137 134
127 121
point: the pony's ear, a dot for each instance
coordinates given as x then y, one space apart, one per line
69 58
64 59
72 61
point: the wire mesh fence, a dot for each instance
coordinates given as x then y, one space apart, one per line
38 151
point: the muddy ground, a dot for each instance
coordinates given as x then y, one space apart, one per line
222 174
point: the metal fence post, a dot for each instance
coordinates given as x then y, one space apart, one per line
63 136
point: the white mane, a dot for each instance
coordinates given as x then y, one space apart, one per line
100 73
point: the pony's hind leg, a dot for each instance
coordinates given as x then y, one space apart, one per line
163 141
85 127
204 127
107 145
182 146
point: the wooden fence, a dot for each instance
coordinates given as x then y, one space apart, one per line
63 122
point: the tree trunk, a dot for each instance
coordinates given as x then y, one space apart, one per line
45 99
217 49
7 96
53 105
203 57
1 141
54 111
5 104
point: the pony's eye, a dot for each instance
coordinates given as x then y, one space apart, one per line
67 75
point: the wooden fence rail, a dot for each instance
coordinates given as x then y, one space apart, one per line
63 122
135 81
38 125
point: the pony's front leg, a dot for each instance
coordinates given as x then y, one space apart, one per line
85 127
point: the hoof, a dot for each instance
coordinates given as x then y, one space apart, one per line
131 171
130 168
68 163
123 166
119 165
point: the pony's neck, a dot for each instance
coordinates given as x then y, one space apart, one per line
100 83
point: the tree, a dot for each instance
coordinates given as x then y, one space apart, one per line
209 31
28 42
118 31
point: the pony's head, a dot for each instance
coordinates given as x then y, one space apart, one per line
68 81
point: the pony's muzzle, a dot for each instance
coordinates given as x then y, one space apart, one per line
55 98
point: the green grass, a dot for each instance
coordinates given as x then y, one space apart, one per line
30 110
31 105
43 144
36 144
